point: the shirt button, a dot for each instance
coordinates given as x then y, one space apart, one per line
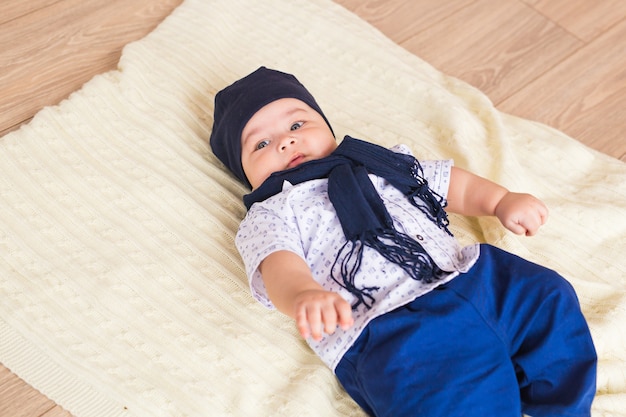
420 237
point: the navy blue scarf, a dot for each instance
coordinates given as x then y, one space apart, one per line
362 213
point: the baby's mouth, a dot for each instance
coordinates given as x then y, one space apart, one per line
296 160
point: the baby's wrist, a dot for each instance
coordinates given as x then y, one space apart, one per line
500 201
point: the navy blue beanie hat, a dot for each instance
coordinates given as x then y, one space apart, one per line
237 103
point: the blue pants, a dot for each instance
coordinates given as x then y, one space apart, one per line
505 338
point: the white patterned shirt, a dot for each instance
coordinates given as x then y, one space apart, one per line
301 219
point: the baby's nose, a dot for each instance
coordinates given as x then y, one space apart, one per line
286 142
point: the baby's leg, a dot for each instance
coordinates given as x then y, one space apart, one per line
536 312
435 357
506 332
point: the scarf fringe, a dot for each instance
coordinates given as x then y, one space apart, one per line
349 258
426 200
394 246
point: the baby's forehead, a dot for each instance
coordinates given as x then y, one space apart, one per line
284 108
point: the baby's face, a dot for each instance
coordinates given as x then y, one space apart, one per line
282 135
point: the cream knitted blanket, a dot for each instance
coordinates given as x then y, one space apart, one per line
121 291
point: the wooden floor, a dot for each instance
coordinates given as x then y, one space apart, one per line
561 62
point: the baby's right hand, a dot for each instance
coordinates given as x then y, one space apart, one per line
319 311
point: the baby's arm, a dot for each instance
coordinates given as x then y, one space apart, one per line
472 195
292 289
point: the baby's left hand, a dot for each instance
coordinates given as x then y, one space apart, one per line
521 213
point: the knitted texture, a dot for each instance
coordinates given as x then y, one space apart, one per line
122 293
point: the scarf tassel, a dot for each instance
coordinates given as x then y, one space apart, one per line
427 201
394 246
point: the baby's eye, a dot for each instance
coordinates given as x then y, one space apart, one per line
296 126
262 144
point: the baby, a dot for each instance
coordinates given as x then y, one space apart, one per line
351 240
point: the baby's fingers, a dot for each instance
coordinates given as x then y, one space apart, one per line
529 223
329 319
315 319
515 227
532 225
302 322
322 319
310 322
344 311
